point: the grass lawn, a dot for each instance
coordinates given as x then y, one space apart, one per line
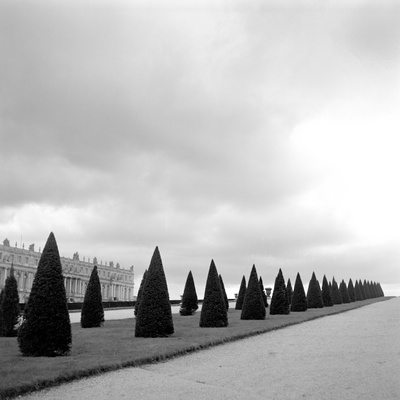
114 346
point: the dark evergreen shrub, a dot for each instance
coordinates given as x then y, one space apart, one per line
241 294
279 302
314 295
351 291
344 292
366 290
372 289
357 291
253 305
154 315
140 291
263 294
213 312
10 306
336 296
289 292
92 315
364 295
189 303
380 290
46 327
326 293
224 292
1 312
299 300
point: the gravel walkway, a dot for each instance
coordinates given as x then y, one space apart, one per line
354 355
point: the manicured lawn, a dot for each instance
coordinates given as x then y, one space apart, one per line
114 346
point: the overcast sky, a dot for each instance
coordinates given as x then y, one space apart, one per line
253 132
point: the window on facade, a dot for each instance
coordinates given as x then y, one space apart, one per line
26 260
19 259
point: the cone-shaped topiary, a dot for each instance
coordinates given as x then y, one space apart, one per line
336 296
363 294
372 289
189 303
314 295
46 327
10 306
92 315
139 295
326 293
221 281
357 291
366 290
380 290
279 302
154 315
241 294
351 291
289 292
253 305
213 312
344 292
263 294
1 312
299 300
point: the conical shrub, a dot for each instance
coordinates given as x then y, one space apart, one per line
299 299
253 305
10 306
351 291
279 302
289 292
140 291
326 293
366 290
363 294
189 303
357 291
46 327
1 313
314 295
154 315
92 315
336 296
263 294
221 281
213 312
241 294
344 292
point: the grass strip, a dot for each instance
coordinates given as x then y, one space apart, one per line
114 346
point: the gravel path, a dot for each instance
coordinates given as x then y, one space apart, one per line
354 355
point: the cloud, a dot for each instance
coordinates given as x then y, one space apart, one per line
211 130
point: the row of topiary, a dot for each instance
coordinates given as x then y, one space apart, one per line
45 329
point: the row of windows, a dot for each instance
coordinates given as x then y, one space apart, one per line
9 258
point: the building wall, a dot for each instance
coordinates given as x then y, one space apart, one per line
117 284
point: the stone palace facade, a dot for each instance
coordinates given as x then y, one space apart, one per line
117 284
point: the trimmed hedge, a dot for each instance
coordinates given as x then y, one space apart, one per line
154 315
299 299
189 298
46 327
253 305
213 312
9 306
279 301
241 294
92 315
314 295
326 293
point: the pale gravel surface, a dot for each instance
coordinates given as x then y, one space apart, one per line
354 355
